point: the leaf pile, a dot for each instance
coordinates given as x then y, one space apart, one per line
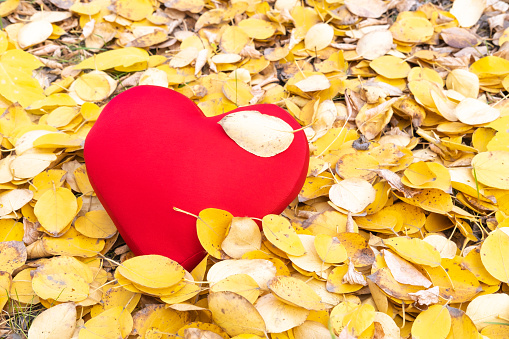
401 228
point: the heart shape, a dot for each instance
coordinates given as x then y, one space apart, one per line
153 149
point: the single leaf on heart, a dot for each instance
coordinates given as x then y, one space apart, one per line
296 292
278 315
57 322
257 133
211 227
280 233
243 236
235 314
55 209
435 322
153 271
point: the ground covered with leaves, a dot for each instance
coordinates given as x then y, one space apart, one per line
401 228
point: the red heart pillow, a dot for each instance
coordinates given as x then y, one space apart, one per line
152 149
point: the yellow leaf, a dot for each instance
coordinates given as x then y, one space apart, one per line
432 200
115 295
318 37
427 175
96 224
243 236
494 251
279 316
235 314
5 286
260 270
63 279
119 57
21 289
434 323
472 262
257 28
411 29
13 255
296 292
359 320
73 243
414 250
154 271
8 7
359 252
45 181
461 325
491 168
237 92
58 321
329 249
241 284
335 281
134 10
11 230
211 227
233 39
159 318
390 67
113 323
386 282
310 261
55 209
16 81
281 234
92 87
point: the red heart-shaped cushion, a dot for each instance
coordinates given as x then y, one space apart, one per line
153 149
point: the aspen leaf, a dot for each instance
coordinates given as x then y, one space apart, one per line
404 272
336 283
5 286
31 163
461 325
96 224
471 111
464 82
158 318
281 234
366 8
260 270
21 289
235 314
11 230
296 292
280 316
352 194
259 134
414 250
318 37
211 227
311 330
55 209
388 326
115 322
16 82
13 255
412 29
390 67
57 140
472 262
13 200
310 261
257 28
57 322
124 57
490 168
154 271
313 83
63 279
34 33
357 247
435 322
386 282
243 236
241 284
329 249
446 247
488 308
115 295
494 251
73 243
468 12
499 331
